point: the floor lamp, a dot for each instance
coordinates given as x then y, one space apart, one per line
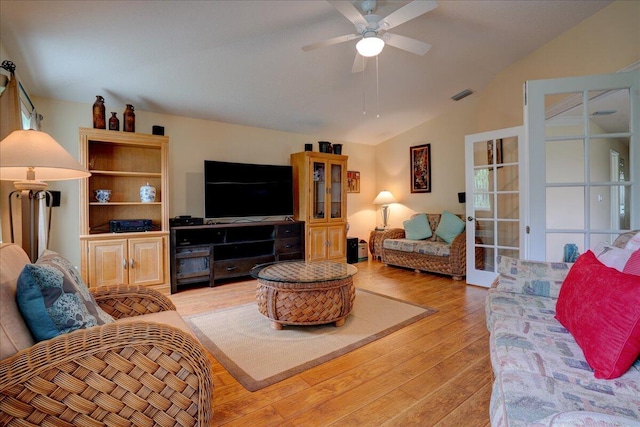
384 198
30 157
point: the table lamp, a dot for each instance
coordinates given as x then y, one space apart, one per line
30 157
384 198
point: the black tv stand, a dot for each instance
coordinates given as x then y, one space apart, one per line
204 254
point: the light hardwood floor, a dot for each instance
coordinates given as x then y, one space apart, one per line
435 372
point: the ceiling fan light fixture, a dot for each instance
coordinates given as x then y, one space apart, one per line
370 45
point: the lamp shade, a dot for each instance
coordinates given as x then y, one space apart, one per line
34 155
384 198
370 45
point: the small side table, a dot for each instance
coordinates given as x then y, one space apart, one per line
375 243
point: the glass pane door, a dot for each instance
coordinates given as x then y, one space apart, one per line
319 190
582 142
493 201
336 191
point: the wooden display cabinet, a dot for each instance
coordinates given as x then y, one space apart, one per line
123 162
320 199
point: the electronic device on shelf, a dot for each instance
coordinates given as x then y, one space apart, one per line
185 220
129 225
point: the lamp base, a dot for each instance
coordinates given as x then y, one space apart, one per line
385 215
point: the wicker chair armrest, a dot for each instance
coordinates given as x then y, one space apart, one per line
459 243
458 254
393 233
127 301
133 373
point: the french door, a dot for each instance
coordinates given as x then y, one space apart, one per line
584 161
494 204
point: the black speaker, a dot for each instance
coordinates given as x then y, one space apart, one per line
352 250
462 197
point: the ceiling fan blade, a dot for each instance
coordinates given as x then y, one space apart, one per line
405 43
330 42
407 13
359 63
350 12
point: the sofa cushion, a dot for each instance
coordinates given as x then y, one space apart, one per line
531 277
634 242
14 333
633 264
501 305
417 227
168 317
48 306
522 399
613 257
425 247
73 281
600 306
449 226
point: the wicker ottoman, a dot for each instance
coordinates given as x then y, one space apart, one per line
305 293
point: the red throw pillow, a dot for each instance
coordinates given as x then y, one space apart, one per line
600 307
633 264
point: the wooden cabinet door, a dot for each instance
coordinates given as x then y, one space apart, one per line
146 265
108 262
337 242
317 244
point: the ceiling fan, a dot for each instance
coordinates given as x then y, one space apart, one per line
372 29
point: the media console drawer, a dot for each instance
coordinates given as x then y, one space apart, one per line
238 267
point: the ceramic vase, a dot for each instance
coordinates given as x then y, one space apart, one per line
102 196
114 122
147 193
129 124
324 146
98 113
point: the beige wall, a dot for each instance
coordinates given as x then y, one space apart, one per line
604 43
191 142
446 136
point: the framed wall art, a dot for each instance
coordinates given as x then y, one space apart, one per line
353 182
420 163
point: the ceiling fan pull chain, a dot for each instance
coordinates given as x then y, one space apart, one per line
377 91
364 96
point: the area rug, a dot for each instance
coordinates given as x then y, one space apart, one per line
241 339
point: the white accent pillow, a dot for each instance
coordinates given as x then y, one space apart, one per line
634 243
613 257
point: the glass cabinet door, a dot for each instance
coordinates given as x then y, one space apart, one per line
336 190
319 189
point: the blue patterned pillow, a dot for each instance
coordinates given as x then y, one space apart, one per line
48 306
74 281
417 227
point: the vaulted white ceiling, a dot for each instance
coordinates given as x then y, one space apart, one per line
242 61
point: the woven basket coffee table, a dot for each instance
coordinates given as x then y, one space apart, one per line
305 293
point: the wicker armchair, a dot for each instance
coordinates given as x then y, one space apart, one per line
126 373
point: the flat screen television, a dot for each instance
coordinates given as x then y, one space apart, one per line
247 190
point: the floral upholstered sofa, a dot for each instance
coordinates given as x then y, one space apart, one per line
543 373
427 243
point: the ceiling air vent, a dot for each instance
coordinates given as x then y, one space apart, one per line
463 94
